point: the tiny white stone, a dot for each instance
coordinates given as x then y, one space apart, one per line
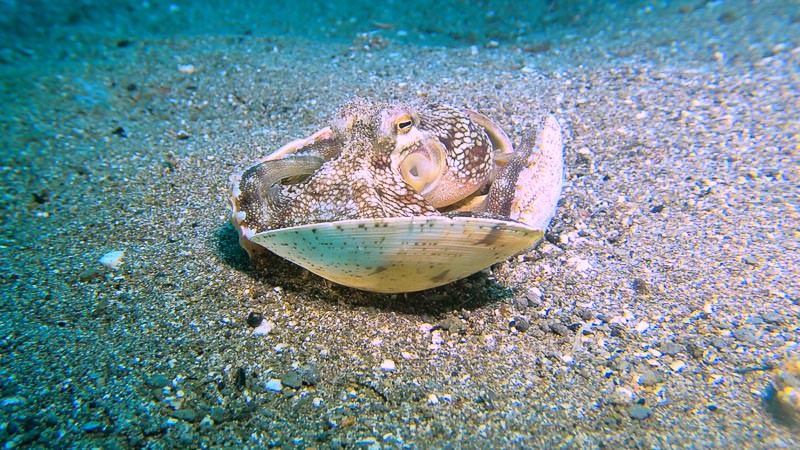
187 69
622 396
580 264
112 259
317 402
642 326
207 422
433 399
264 328
388 365
678 366
274 385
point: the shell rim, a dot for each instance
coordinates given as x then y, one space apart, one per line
400 219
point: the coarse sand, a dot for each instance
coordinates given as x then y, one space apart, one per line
663 302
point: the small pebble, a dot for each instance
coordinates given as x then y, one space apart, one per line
785 391
584 314
772 317
254 319
677 366
292 379
521 302
187 69
316 402
622 396
157 380
274 385
650 378
207 423
641 286
186 414
92 427
309 374
388 365
112 260
433 399
264 328
559 328
368 442
217 414
89 274
534 297
452 325
745 335
671 348
750 260
639 412
520 324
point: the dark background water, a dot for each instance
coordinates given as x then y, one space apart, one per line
448 22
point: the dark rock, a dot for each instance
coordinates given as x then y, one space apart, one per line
617 330
520 324
641 286
521 302
254 319
559 329
119 131
452 325
584 314
727 17
240 381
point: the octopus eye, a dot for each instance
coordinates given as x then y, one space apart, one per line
403 124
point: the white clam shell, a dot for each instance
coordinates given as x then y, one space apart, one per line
399 254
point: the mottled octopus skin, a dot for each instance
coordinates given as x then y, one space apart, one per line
399 198
359 181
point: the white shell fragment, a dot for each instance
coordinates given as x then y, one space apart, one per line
399 254
539 185
112 260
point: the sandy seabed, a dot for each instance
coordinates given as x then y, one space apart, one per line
655 315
